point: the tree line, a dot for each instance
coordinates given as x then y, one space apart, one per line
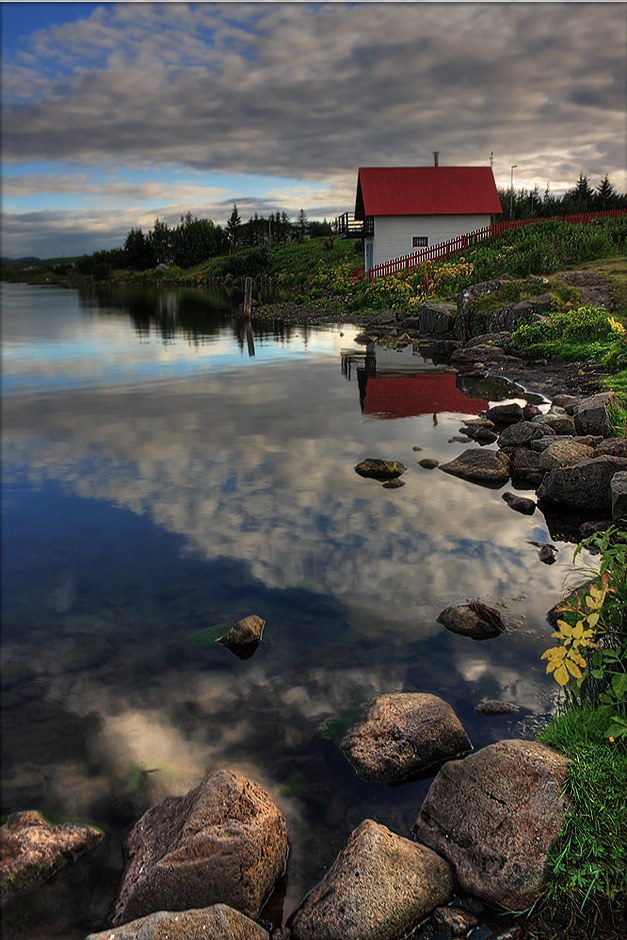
195 240
530 204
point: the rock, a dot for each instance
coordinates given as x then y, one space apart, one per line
591 414
32 851
436 319
564 453
583 486
479 423
492 707
547 554
453 921
522 433
377 469
429 463
480 466
612 447
244 638
520 503
403 734
530 412
380 886
482 932
559 421
393 484
495 816
218 922
224 842
618 489
476 620
500 338
476 354
480 435
566 401
505 414
526 467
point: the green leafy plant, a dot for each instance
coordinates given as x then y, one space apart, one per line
590 659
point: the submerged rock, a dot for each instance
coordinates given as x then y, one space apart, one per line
495 817
429 463
476 620
377 469
491 707
403 734
393 484
224 842
379 887
32 851
218 922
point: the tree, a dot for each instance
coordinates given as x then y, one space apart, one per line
195 240
160 239
606 196
580 199
302 225
138 253
233 228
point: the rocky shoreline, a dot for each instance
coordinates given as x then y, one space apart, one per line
204 864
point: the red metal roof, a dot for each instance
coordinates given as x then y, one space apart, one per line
426 190
412 395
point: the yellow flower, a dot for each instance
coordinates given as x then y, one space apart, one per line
611 739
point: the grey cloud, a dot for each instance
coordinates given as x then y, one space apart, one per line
230 111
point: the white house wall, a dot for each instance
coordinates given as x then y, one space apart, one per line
393 234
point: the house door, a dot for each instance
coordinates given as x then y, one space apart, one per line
369 255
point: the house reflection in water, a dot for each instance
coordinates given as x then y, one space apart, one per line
404 384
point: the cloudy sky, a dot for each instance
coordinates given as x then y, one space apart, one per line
115 114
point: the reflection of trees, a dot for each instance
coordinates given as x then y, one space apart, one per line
184 313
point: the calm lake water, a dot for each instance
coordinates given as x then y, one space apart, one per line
160 481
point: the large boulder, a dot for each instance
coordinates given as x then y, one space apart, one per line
585 485
619 496
557 419
380 887
32 851
403 734
564 453
480 466
225 842
591 415
522 433
218 922
436 319
476 620
495 816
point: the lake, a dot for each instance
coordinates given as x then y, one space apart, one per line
165 473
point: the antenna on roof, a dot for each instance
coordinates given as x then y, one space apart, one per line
491 158
436 157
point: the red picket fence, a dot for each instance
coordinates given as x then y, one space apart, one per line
463 242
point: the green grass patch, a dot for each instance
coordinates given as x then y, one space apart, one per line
588 868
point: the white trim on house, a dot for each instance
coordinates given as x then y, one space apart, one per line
393 234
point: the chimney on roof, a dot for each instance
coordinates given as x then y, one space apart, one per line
436 157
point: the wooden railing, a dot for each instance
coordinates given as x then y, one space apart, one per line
347 226
463 242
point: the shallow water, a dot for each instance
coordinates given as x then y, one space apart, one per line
165 474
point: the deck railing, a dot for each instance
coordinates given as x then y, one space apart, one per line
347 226
463 242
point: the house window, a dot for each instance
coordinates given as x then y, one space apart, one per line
419 241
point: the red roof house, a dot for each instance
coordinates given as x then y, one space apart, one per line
399 210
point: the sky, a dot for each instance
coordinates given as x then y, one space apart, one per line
115 114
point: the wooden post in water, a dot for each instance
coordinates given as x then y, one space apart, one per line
248 296
250 339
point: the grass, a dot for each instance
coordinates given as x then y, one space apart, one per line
588 868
